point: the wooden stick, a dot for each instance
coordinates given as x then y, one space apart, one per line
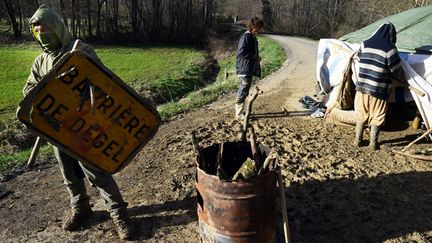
283 206
270 157
418 92
414 156
76 45
34 152
219 154
419 138
256 153
198 152
248 111
219 159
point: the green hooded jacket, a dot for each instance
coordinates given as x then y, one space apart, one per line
44 62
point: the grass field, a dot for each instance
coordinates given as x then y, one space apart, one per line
162 69
170 71
15 63
272 57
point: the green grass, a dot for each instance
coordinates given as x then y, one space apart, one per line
15 63
171 71
272 57
10 160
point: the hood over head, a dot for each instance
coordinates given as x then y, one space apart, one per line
386 32
48 17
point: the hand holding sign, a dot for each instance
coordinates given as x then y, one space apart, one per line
89 112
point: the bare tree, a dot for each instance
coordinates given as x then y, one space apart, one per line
100 3
89 19
133 11
13 14
157 19
208 12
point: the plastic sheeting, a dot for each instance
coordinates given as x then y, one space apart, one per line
414 39
335 58
423 93
412 26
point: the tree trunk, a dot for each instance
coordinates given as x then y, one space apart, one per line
172 15
156 5
12 19
73 17
89 23
98 23
134 18
267 12
188 14
63 13
21 18
208 12
114 16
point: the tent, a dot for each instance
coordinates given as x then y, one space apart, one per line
337 62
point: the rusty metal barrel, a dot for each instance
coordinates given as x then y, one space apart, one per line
235 211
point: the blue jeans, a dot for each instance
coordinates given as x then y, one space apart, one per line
243 90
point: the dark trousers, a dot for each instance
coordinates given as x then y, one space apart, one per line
244 87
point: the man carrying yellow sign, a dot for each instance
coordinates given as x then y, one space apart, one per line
50 32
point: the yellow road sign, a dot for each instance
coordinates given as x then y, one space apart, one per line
90 113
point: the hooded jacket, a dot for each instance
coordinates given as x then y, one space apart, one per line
247 62
44 62
379 63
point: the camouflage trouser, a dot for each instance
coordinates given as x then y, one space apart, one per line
74 172
244 87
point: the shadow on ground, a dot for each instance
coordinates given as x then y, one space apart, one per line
147 219
363 210
179 212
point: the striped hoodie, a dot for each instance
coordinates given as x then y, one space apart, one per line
379 63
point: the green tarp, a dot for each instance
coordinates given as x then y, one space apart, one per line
414 30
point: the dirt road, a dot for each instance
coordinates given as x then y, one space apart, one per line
335 193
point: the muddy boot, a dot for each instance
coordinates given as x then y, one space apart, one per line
374 137
76 217
359 134
239 113
124 229
123 224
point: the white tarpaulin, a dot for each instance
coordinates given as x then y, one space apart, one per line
421 92
335 58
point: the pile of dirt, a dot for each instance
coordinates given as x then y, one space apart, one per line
14 136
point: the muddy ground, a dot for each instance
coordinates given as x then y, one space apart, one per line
335 192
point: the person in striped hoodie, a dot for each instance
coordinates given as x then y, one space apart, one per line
379 65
